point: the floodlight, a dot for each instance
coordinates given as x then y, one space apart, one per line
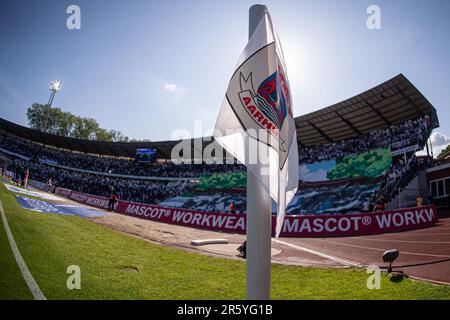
55 85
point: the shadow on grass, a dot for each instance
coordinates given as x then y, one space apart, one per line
397 277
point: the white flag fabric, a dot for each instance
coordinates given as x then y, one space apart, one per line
255 122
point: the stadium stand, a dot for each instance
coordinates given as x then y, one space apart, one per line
129 189
105 164
396 136
350 153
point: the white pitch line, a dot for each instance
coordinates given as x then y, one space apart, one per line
27 276
416 234
320 254
429 280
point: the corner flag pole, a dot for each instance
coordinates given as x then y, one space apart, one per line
259 215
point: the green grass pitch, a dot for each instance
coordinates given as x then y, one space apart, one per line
50 243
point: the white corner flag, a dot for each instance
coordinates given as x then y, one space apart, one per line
255 122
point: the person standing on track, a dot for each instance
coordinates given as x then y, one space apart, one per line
430 198
419 200
49 185
113 197
380 205
17 174
232 208
26 174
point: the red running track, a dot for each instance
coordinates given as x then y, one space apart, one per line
424 253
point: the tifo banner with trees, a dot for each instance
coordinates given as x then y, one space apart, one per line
222 181
371 164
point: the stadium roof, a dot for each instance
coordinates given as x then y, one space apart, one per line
391 102
117 149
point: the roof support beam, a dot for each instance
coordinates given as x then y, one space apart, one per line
416 107
111 150
378 113
348 123
300 144
320 131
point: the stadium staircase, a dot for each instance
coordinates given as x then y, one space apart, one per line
408 187
399 198
413 181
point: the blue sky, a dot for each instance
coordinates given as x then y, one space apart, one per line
147 68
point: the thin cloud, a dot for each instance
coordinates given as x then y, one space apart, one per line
10 93
177 93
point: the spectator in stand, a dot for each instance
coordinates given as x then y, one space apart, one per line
366 206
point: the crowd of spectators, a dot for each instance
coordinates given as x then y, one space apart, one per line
128 189
396 136
110 165
44 165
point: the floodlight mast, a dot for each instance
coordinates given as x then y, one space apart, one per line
55 86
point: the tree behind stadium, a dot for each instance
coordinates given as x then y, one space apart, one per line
52 120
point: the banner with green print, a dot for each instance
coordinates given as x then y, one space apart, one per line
222 181
371 164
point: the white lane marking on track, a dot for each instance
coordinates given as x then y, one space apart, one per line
406 241
351 263
320 254
416 234
383 250
27 276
